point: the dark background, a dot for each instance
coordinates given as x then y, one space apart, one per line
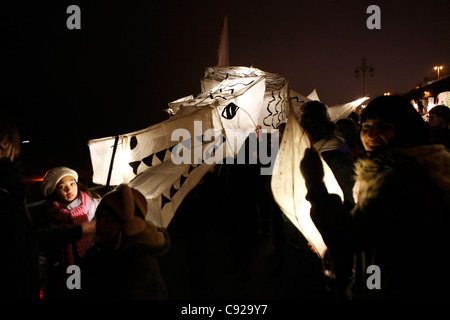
131 58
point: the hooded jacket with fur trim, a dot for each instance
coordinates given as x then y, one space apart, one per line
399 223
401 219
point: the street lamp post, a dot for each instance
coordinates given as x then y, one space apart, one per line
364 68
438 68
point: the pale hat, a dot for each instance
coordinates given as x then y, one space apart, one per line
53 176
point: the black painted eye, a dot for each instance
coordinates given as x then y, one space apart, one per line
133 142
230 111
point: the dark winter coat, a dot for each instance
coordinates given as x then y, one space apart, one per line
19 267
441 136
51 236
129 272
400 223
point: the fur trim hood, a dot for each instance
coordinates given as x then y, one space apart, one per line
435 159
371 173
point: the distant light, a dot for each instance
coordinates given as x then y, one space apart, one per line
387 93
438 68
26 141
35 179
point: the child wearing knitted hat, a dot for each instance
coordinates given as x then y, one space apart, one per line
71 203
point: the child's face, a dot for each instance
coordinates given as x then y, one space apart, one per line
66 189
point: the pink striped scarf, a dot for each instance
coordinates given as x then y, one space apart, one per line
75 216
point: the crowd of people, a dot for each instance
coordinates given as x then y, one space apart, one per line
402 197
392 166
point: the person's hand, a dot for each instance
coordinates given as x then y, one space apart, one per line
88 227
311 167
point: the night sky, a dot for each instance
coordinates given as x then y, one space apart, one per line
131 58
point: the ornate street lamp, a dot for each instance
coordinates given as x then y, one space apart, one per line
364 68
438 68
